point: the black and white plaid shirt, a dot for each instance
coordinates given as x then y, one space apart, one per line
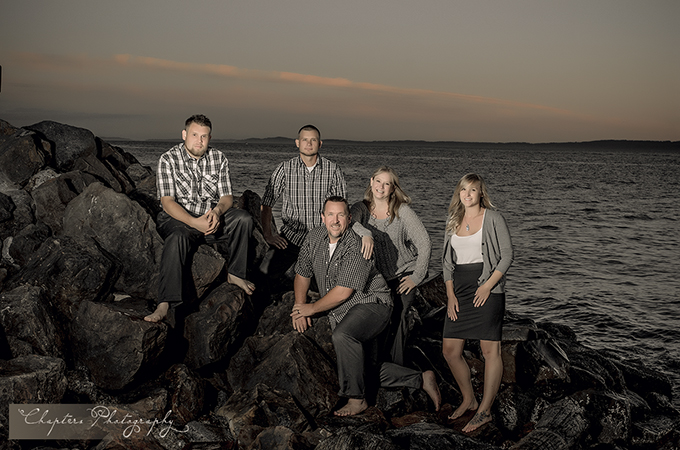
303 194
347 268
196 184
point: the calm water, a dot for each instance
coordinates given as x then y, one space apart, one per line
596 231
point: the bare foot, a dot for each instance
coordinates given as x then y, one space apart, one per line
463 408
480 418
430 386
353 407
246 285
160 313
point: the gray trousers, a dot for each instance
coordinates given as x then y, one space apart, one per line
356 332
181 241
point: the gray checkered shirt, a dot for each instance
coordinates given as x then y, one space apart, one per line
347 268
197 185
303 194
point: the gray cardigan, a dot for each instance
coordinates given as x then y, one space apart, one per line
497 251
402 245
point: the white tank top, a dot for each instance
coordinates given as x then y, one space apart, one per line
468 248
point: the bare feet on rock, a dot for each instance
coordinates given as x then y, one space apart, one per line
431 388
244 284
479 419
160 313
353 407
463 408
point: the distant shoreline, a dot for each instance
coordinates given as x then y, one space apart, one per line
614 144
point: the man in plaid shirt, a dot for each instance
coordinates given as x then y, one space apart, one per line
304 182
358 302
195 191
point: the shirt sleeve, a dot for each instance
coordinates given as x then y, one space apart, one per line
417 234
303 266
338 186
165 181
224 180
274 187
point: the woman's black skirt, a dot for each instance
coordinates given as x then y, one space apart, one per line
485 322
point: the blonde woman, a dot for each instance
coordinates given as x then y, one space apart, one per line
402 247
477 255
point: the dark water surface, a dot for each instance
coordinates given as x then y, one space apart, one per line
596 231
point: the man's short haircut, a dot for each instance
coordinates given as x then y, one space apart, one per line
335 199
199 119
310 127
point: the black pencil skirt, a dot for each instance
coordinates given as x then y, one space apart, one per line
483 323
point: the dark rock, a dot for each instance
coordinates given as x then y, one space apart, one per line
114 342
6 207
561 425
89 164
425 436
291 363
69 142
348 439
52 197
216 327
23 316
206 267
30 379
251 411
69 274
99 216
282 438
82 390
543 363
6 130
21 156
27 242
186 393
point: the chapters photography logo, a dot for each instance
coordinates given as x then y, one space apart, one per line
71 421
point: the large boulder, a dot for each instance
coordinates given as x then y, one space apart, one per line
291 363
69 142
115 343
123 231
213 330
21 156
52 197
24 316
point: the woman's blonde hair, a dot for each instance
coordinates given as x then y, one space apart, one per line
457 209
397 196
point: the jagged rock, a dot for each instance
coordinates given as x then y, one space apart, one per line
282 438
426 436
21 156
6 207
30 379
23 316
22 214
561 425
114 342
6 130
251 411
187 393
99 216
52 197
206 267
212 331
69 142
69 274
291 363
27 242
89 164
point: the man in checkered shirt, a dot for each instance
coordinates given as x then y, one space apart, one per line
304 182
195 191
358 302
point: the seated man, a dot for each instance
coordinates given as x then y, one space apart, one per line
358 302
195 192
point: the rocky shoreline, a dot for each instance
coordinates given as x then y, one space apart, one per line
79 271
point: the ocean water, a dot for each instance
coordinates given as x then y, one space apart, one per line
596 231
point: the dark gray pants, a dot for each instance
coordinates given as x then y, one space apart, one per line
181 241
357 331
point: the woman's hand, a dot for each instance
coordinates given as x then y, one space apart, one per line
452 308
406 285
481 295
367 247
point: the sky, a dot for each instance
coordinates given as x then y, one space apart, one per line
489 71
